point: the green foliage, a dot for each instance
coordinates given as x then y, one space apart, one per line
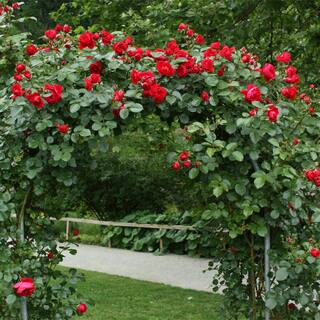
265 26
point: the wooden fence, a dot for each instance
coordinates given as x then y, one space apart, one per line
124 225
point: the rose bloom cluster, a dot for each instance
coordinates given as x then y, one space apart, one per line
314 176
6 8
183 161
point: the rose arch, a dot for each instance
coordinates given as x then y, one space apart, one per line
253 139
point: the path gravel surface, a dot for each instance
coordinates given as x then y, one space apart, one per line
176 270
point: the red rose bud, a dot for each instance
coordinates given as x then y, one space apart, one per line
295 141
291 306
197 164
76 232
175 165
81 308
184 155
253 112
311 86
311 110
25 287
315 252
116 112
204 96
50 255
187 163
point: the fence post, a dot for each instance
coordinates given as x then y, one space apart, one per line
67 229
109 244
161 245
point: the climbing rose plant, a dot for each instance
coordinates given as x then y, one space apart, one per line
251 134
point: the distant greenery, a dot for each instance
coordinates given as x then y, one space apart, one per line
121 298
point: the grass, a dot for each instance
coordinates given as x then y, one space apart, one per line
121 298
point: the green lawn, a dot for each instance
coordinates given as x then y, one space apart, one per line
120 298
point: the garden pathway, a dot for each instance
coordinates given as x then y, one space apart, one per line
176 270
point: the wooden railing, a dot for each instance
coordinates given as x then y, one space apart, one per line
124 225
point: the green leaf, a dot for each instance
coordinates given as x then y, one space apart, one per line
259 182
124 113
237 155
211 81
74 108
274 142
271 303
10 299
193 173
282 274
85 133
217 191
240 189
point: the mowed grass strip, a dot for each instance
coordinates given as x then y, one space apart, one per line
121 298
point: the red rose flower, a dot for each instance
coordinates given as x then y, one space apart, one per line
25 287
118 95
27 74
50 255
120 47
284 57
182 70
200 39
204 96
31 49
295 141
106 37
252 93
76 232
187 163
35 99
207 65
95 78
182 26
315 252
290 92
18 77
66 28
96 67
175 165
184 155
269 72
56 93
226 52
62 128
273 113
51 34
81 308
291 306
158 93
88 84
190 33
20 67
15 5
86 40
165 68
17 90
58 27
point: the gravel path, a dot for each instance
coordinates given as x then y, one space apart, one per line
176 270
